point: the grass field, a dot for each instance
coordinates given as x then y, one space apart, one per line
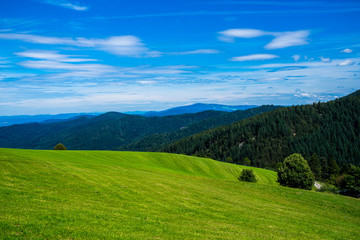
127 195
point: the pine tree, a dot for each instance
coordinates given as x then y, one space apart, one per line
314 164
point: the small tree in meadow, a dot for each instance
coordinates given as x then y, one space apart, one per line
60 146
247 175
295 172
247 161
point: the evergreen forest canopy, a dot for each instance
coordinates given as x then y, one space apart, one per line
115 131
330 130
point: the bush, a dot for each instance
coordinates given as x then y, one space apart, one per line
349 183
60 146
295 172
329 188
247 175
247 161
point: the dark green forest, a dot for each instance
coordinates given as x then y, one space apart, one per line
112 131
104 132
330 130
155 142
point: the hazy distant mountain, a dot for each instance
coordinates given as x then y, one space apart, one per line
48 118
20 119
197 107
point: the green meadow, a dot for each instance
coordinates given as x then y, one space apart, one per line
133 195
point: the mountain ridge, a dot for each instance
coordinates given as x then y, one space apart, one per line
48 118
331 130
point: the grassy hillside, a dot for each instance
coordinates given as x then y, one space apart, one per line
126 195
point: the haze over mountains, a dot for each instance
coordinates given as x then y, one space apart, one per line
193 108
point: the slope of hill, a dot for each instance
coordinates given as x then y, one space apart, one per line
104 132
331 130
156 142
125 195
195 108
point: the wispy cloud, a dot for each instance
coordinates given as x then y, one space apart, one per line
4 63
66 4
52 56
296 57
325 59
347 50
346 62
55 65
288 39
10 23
260 84
286 3
235 13
199 51
281 40
230 34
254 57
128 45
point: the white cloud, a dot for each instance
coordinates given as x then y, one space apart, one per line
38 39
122 46
230 34
289 39
346 62
130 46
254 57
55 65
52 55
302 94
146 82
325 59
296 57
281 40
66 4
347 50
199 51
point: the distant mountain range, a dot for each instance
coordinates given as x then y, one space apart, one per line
195 108
114 131
46 118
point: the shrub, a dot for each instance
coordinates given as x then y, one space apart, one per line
247 161
295 172
328 188
349 183
247 175
60 146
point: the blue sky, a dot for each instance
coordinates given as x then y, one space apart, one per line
59 56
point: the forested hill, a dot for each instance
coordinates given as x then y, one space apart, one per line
112 130
155 142
104 132
331 130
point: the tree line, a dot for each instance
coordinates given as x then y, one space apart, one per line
328 130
